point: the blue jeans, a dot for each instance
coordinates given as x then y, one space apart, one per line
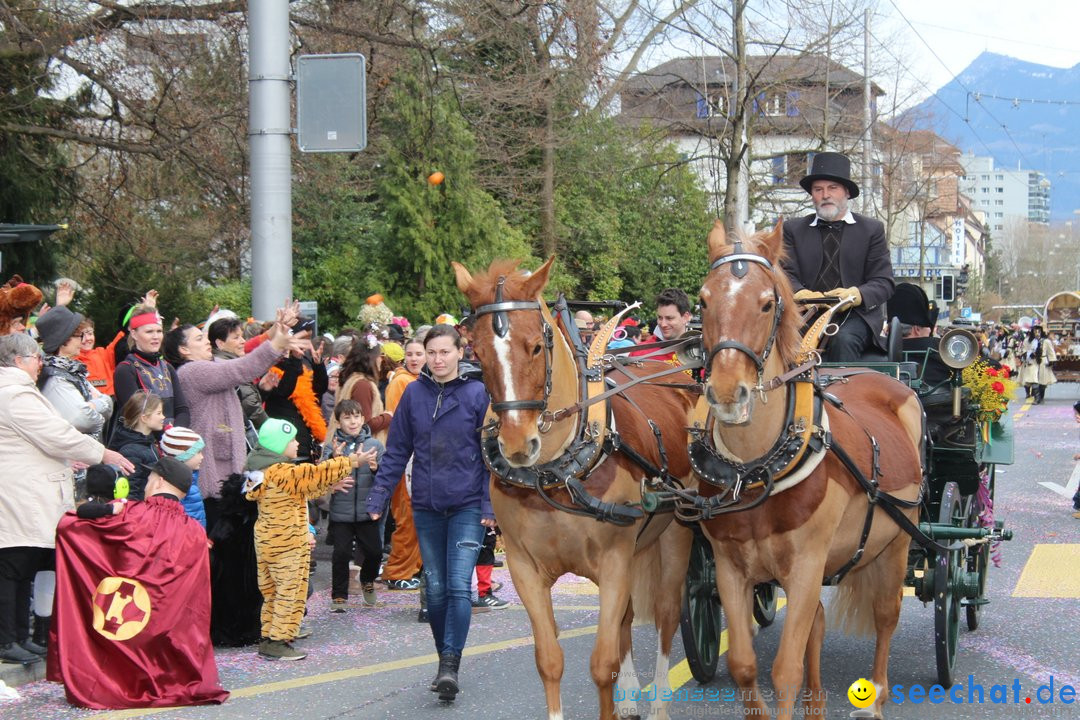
449 544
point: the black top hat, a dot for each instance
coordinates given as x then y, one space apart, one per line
830 166
910 304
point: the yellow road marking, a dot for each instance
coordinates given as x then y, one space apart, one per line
680 674
1050 572
1028 403
577 588
322 678
677 676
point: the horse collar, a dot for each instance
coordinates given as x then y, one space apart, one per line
796 452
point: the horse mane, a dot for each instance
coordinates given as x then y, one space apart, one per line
482 287
789 334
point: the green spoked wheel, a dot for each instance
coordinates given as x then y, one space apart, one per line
978 559
948 570
701 612
765 603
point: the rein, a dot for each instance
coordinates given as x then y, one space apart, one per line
596 439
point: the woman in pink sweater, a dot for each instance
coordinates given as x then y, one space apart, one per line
216 413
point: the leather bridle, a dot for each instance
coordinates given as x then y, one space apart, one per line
739 262
500 325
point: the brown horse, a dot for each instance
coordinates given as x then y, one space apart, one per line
811 528
530 371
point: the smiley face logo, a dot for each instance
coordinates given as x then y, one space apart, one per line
862 693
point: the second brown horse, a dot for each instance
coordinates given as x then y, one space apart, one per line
530 370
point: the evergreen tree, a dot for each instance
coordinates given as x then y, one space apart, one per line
424 225
35 184
633 218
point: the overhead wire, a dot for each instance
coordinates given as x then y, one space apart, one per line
932 92
960 82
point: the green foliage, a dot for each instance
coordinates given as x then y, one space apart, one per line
34 185
335 258
423 227
632 218
235 296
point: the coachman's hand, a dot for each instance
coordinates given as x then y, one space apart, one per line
805 295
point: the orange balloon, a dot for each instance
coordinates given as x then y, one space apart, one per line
435 178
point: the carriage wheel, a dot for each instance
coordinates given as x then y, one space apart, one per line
765 603
700 621
978 559
947 567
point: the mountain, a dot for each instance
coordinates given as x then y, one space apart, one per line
1037 135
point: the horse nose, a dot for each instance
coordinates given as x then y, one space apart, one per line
710 396
742 395
533 445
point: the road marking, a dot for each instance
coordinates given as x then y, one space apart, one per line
1023 408
680 674
1070 487
1050 572
329 677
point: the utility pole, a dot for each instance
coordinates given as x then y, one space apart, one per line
269 142
867 176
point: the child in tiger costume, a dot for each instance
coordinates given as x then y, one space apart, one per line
281 488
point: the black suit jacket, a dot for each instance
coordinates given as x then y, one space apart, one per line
864 263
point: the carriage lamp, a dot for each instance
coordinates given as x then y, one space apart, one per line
958 349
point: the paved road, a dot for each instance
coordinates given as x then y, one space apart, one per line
377 663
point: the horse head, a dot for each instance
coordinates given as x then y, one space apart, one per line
513 339
748 326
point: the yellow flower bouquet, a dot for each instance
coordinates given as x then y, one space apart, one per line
991 389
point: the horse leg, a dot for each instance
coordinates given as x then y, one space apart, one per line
814 699
627 688
803 589
534 589
674 546
891 566
736 595
614 597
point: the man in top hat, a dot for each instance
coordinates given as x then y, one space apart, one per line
917 317
839 253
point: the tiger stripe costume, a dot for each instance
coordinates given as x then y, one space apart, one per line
281 538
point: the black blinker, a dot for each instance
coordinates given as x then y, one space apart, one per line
500 323
739 267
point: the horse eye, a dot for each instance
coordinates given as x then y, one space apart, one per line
702 304
768 307
538 349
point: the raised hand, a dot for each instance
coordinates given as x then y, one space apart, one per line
65 293
150 298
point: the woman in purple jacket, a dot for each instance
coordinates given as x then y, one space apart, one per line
437 423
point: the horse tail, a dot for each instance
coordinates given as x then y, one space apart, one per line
852 606
644 579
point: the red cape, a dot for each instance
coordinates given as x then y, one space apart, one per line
131 624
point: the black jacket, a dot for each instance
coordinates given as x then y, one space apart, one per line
864 263
140 450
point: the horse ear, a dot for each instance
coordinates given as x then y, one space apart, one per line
536 282
773 242
464 277
717 239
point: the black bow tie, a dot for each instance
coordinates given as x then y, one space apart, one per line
839 225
